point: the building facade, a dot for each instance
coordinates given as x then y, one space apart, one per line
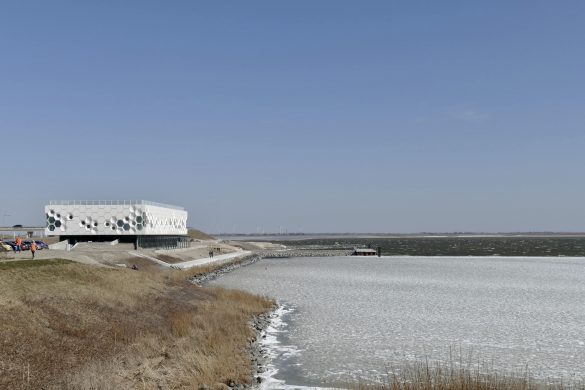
147 224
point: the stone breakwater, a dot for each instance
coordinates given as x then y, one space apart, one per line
225 268
250 259
258 353
306 252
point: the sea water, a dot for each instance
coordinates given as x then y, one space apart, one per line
350 318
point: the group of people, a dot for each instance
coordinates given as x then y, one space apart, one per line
18 243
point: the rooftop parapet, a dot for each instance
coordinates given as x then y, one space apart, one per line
111 203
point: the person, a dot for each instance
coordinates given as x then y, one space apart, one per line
211 253
134 267
18 244
33 248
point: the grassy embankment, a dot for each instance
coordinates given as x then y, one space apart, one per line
195 234
68 325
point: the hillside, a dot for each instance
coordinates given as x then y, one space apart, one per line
195 234
68 325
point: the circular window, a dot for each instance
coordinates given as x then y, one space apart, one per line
95 224
120 223
83 223
70 217
126 219
113 227
58 215
106 224
126 227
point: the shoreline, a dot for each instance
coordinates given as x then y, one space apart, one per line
257 350
511 377
223 268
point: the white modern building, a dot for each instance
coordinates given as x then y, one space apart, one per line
146 224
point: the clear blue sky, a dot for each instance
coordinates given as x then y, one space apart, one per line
318 116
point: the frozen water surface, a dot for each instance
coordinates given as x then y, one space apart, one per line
353 317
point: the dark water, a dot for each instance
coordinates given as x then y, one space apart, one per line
458 246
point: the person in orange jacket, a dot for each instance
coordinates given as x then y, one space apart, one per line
18 244
33 249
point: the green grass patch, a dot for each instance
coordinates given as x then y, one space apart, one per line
8 265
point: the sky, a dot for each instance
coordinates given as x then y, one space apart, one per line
299 116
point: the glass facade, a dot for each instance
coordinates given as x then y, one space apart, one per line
146 242
162 242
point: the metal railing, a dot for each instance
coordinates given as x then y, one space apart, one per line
111 203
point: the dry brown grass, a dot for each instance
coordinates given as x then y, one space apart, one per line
460 376
199 235
68 325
